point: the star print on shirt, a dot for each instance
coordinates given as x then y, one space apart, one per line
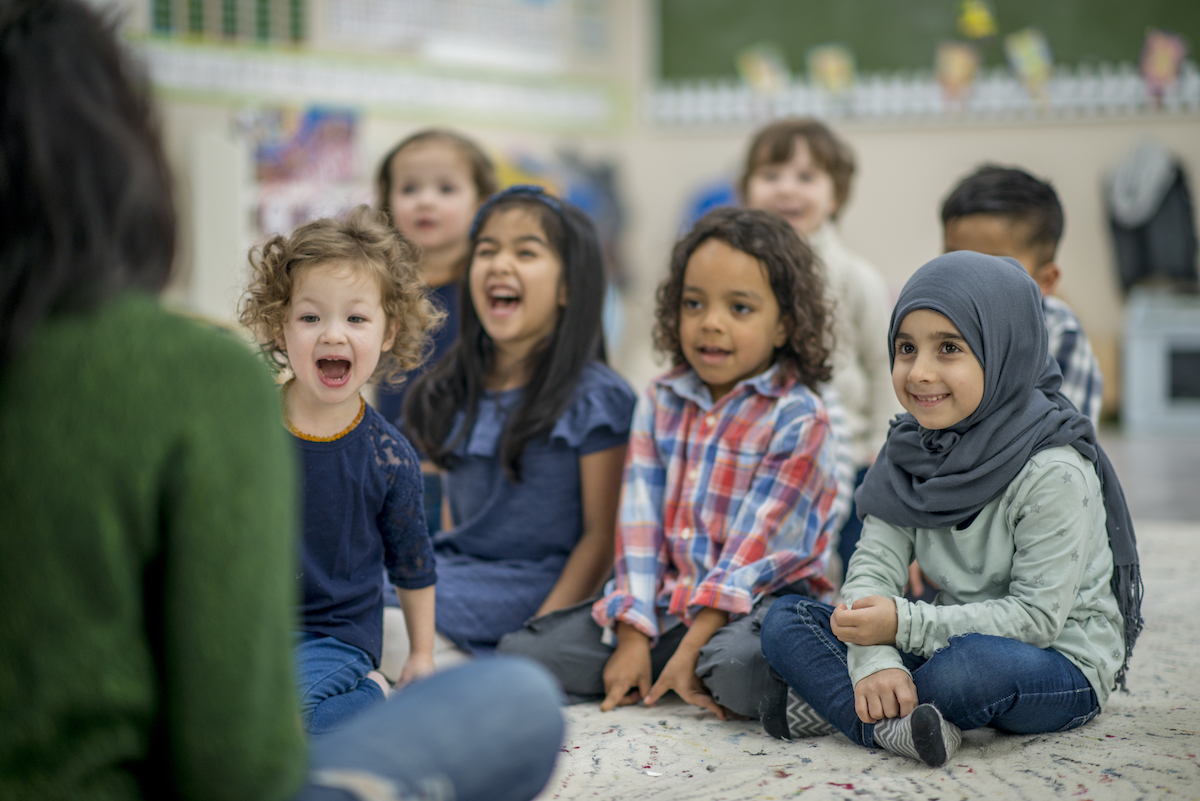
1085 501
1039 579
1074 556
1055 607
1066 477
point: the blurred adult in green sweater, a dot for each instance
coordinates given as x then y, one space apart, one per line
148 496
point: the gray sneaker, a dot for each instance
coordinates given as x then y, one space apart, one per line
923 735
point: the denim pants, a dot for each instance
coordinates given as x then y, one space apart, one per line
331 677
977 680
489 730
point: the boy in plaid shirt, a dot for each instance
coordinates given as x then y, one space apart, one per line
728 488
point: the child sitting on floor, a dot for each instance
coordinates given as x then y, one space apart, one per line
995 482
341 304
728 484
528 423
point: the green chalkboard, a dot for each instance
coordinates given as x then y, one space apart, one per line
701 38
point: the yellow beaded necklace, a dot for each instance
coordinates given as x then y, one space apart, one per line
362 410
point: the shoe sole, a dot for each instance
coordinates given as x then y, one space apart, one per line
927 736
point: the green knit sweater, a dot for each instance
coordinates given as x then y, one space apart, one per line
147 594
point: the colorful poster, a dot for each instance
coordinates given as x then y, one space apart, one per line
831 67
764 68
975 20
957 67
1029 56
316 144
1162 59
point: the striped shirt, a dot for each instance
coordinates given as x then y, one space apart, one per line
721 503
1082 384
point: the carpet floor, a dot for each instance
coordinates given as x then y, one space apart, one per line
1144 745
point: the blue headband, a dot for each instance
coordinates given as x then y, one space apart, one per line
530 191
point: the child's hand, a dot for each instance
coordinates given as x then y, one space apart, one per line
918 582
627 672
415 667
680 675
872 621
889 693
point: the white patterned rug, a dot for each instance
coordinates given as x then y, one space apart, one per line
1144 745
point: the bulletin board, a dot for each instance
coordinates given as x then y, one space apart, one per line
701 38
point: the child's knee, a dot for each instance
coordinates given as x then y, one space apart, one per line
778 627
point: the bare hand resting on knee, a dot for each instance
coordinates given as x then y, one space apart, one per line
889 693
872 621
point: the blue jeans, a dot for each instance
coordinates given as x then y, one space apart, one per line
331 677
977 680
490 729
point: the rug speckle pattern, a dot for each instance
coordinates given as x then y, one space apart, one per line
1144 746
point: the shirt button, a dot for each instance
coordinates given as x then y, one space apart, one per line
685 532
710 420
693 473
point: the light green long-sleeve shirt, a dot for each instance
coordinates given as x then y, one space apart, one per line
1033 566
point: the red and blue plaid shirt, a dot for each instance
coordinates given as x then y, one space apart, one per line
721 503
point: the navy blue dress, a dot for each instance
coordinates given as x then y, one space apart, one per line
510 541
390 401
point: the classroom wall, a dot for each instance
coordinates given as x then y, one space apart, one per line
904 173
892 218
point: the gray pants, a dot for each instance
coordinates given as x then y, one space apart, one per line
731 666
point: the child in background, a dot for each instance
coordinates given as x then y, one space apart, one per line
341 304
800 170
1007 212
529 424
995 483
728 486
429 186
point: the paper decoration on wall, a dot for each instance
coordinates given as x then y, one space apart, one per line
764 68
1162 59
831 67
975 20
957 66
306 164
1029 56
316 144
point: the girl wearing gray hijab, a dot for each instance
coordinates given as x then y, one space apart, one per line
996 485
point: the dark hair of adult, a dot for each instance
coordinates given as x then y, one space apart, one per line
1016 195
792 271
84 183
776 144
483 173
457 382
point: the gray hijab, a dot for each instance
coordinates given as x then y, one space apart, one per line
927 478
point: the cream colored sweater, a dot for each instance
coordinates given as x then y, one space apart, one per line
862 372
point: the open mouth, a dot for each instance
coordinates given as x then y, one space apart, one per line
334 372
503 300
711 354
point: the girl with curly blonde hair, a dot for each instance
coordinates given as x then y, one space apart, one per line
339 303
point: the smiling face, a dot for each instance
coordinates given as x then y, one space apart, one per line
729 323
799 190
433 197
516 282
935 375
334 334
